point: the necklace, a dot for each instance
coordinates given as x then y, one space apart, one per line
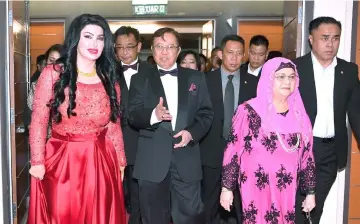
293 149
90 74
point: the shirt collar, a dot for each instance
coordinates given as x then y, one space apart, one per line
255 72
173 67
132 63
224 73
316 62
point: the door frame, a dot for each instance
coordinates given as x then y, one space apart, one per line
5 118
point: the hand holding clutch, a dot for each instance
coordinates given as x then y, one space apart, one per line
37 171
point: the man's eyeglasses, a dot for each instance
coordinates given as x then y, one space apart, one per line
127 48
168 48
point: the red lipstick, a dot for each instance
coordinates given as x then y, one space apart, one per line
93 51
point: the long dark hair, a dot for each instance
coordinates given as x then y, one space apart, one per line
56 47
106 66
183 54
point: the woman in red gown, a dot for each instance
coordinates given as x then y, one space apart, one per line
77 173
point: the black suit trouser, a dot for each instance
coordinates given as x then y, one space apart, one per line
211 189
132 196
326 171
171 198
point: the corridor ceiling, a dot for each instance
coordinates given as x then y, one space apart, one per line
179 8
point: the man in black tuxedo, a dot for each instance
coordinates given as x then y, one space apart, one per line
242 88
329 87
258 52
172 108
127 47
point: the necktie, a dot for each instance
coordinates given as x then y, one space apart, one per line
173 72
133 66
229 100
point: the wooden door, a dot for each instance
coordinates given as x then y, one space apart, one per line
42 36
273 30
354 186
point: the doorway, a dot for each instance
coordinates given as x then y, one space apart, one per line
196 35
272 30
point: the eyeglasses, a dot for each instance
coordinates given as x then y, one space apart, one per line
127 48
282 78
168 48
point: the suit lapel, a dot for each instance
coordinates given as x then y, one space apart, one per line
243 87
339 70
158 90
181 119
218 92
308 87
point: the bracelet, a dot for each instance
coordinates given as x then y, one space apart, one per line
312 192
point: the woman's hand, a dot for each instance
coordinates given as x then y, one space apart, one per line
309 203
226 198
122 171
37 171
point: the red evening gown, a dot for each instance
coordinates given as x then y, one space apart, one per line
82 182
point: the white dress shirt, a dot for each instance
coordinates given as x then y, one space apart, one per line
130 72
170 84
255 72
324 82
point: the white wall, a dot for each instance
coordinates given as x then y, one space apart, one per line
341 10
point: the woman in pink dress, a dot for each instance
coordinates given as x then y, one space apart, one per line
269 152
77 173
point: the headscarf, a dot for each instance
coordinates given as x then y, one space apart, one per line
296 119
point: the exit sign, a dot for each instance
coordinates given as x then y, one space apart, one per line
150 9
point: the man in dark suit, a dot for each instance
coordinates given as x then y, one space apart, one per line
242 87
172 108
329 87
127 47
258 52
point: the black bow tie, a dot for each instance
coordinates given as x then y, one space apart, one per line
173 72
133 66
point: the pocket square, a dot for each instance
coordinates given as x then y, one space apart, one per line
192 87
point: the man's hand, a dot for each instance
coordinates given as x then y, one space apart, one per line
162 114
185 138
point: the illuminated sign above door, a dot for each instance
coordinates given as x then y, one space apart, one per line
156 7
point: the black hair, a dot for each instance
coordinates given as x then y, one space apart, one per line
274 54
39 60
203 57
55 47
106 67
216 48
259 40
183 54
231 37
162 31
315 23
127 30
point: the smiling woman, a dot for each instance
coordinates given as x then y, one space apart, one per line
86 139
